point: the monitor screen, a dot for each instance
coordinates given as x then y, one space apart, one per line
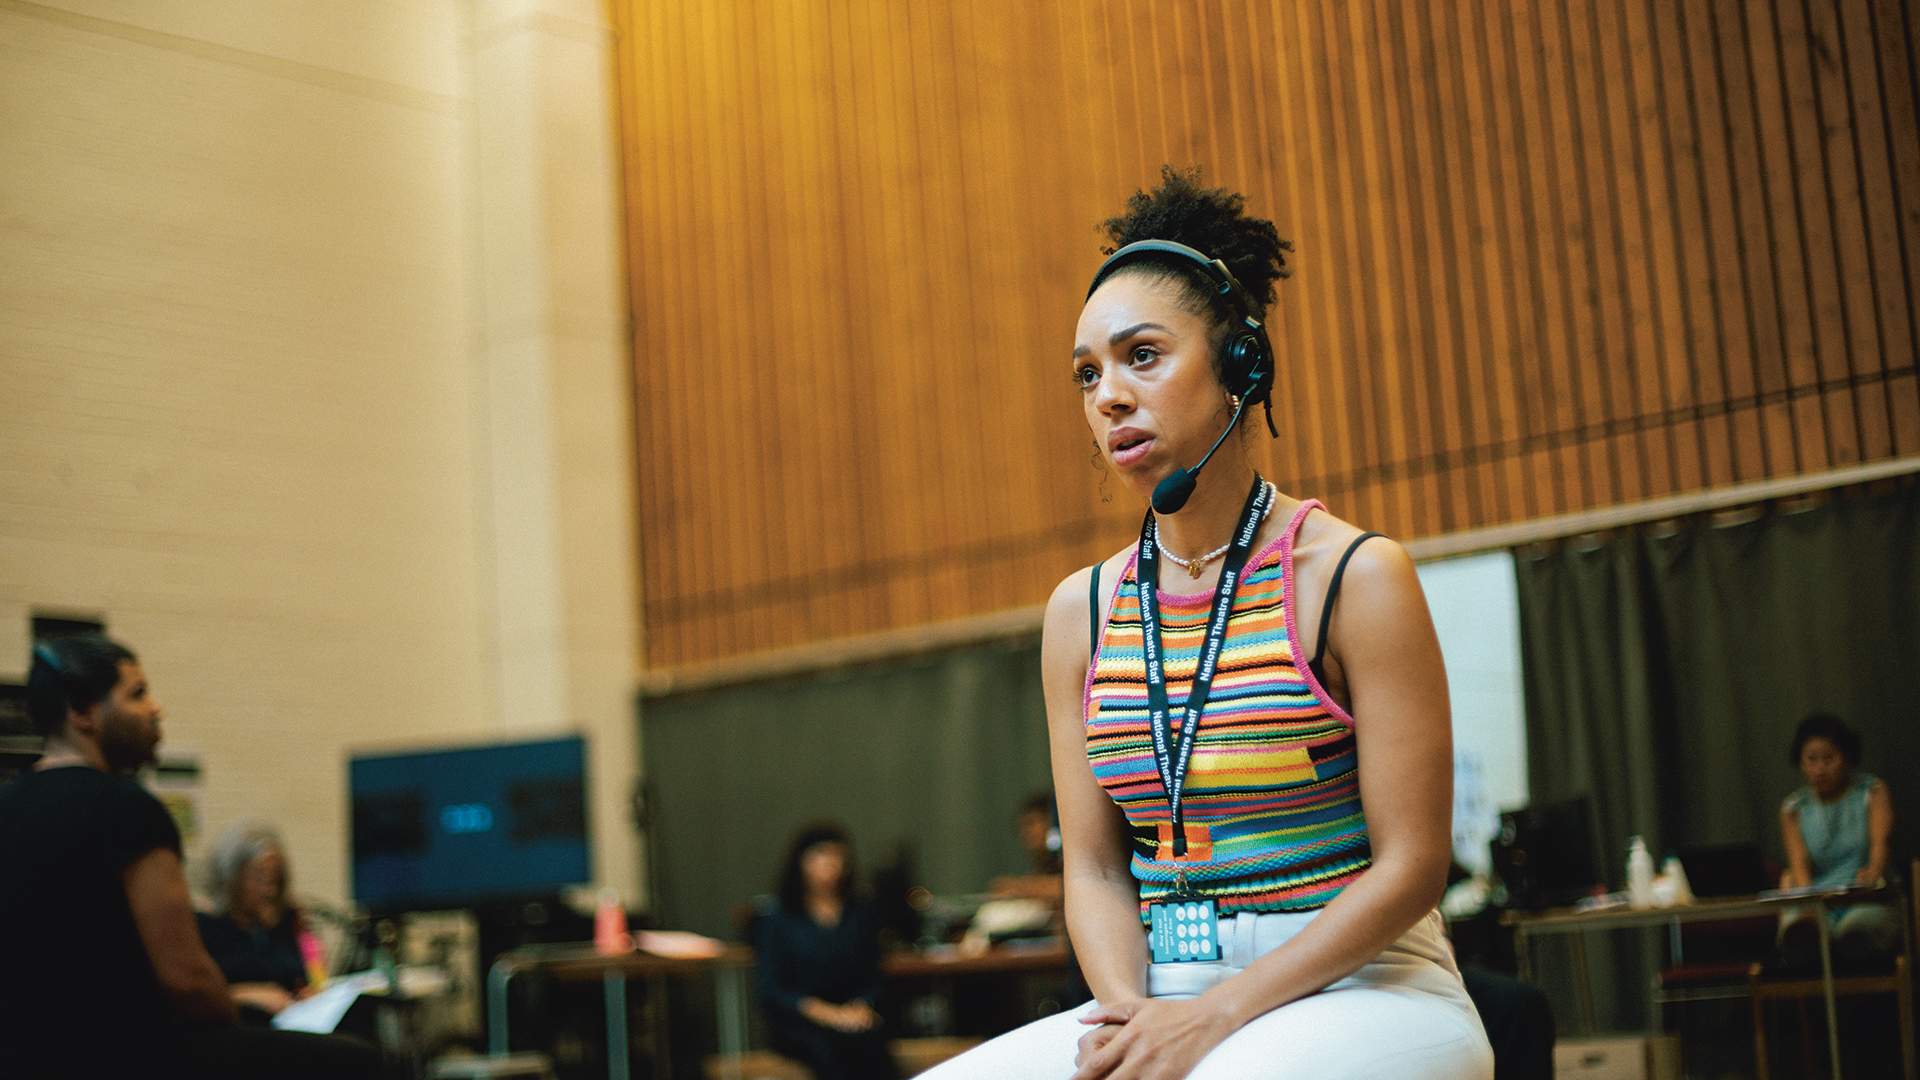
1546 853
458 828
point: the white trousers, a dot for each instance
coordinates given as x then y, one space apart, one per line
1405 1015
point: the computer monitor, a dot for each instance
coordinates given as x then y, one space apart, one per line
1546 853
463 827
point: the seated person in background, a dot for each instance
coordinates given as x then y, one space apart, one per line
1836 831
1040 839
102 972
253 934
817 962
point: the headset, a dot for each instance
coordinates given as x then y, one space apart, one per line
1246 356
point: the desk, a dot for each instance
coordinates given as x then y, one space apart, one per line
581 963
1000 959
944 991
1527 924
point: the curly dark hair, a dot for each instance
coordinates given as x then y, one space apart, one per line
1212 221
1831 728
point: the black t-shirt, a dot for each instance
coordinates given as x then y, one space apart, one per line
72 966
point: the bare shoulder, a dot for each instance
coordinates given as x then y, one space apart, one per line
1380 563
1066 627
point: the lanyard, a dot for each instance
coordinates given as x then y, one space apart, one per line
1173 761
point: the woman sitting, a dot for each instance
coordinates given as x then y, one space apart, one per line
817 962
1224 698
253 934
1836 830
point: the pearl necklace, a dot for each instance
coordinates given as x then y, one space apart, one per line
1198 565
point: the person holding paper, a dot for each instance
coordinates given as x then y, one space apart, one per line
253 933
102 970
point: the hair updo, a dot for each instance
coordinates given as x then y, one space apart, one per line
1211 221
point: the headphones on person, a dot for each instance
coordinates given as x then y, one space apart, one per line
1246 356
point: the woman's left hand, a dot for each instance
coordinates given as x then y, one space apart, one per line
1150 1039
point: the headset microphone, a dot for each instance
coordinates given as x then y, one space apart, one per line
1171 494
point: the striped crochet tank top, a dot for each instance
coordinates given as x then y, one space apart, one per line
1272 800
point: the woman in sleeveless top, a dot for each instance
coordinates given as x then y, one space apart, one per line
1291 898
1836 830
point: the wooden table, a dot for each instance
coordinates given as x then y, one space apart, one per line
1570 921
982 993
1000 959
581 963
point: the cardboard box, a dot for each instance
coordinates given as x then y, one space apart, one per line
1617 1057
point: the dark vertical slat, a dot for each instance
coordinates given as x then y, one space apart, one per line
1640 189
1558 487
1493 182
1809 276
1576 227
1684 288
1385 334
1893 34
1846 316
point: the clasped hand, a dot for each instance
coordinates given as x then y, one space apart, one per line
1148 1039
854 1016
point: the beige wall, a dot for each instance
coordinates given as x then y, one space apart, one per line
311 344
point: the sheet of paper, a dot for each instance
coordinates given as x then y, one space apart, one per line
677 944
321 1013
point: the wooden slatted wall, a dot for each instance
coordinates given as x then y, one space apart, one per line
1551 257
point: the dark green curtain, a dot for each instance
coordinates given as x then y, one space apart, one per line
931 756
1665 670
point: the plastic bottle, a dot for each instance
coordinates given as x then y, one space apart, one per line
1676 873
1639 875
386 950
610 925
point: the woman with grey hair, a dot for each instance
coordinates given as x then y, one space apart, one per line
253 932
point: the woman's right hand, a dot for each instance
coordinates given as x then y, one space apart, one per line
854 1016
269 998
1150 1039
1092 1042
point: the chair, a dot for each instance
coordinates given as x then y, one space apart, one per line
755 1065
1763 988
1710 958
1711 962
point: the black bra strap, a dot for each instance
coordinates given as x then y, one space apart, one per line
1093 614
1326 610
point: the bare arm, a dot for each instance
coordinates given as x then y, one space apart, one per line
1799 863
163 913
1102 899
1383 638
1879 831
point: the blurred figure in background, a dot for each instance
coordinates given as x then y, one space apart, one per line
1040 839
817 962
253 933
102 971
1836 830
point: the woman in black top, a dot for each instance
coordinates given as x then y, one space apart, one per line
253 934
817 964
